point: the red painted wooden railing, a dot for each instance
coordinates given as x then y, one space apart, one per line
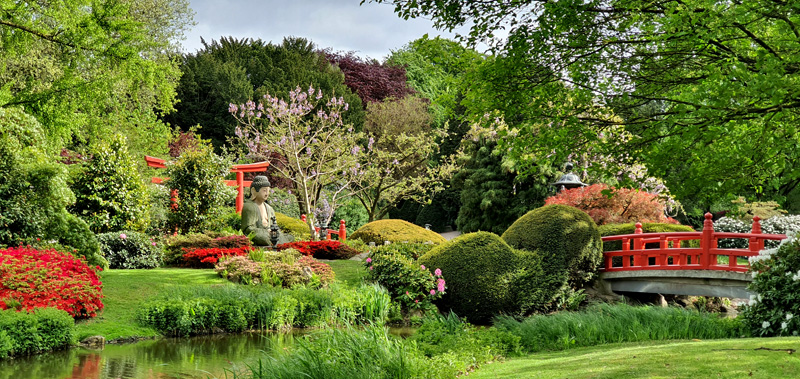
239 183
671 256
341 233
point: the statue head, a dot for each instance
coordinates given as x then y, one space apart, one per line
259 182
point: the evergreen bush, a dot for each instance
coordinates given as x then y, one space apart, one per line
293 226
26 333
480 269
198 175
110 195
396 231
566 238
131 250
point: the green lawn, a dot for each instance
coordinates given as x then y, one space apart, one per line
125 290
731 358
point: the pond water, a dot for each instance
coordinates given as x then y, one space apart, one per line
198 357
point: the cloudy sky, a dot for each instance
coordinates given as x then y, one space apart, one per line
371 30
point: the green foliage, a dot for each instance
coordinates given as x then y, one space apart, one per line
235 308
159 200
565 237
353 214
293 226
110 194
395 231
493 195
618 229
35 191
606 323
88 70
408 250
480 269
441 334
410 284
131 250
284 202
776 282
45 329
233 71
198 175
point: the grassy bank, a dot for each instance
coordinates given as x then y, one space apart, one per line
125 291
736 358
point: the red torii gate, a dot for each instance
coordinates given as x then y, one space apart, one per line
239 183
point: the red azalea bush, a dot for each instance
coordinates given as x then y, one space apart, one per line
207 258
609 205
321 249
31 278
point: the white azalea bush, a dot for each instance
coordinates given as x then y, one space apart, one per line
732 225
774 310
788 225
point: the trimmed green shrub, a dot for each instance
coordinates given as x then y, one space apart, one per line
74 235
24 333
480 268
396 231
293 226
619 229
131 250
408 250
110 195
565 237
486 277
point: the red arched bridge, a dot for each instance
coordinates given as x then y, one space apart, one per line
664 263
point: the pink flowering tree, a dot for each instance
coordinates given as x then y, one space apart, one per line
320 151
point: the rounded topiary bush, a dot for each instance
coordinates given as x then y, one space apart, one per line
565 237
396 231
630 228
479 268
293 226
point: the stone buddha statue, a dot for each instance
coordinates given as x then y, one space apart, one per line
258 216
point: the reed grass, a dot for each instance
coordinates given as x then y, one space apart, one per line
606 323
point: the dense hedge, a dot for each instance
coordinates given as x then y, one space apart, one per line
619 229
565 237
44 329
479 268
293 226
396 231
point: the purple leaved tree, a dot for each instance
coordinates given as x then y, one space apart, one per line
320 151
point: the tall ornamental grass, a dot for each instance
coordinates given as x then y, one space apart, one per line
605 323
348 354
234 308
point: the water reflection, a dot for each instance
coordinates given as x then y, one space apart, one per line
199 357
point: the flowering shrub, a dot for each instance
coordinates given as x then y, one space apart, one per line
130 250
207 258
324 271
321 249
788 225
609 205
31 278
410 284
233 241
732 225
176 245
240 269
776 282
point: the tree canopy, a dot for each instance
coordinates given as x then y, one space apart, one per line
234 70
708 89
88 69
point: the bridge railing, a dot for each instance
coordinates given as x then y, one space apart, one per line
670 255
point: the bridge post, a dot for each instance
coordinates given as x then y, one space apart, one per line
756 244
705 241
638 258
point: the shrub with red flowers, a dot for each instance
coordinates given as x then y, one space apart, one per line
207 258
321 249
31 278
609 205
